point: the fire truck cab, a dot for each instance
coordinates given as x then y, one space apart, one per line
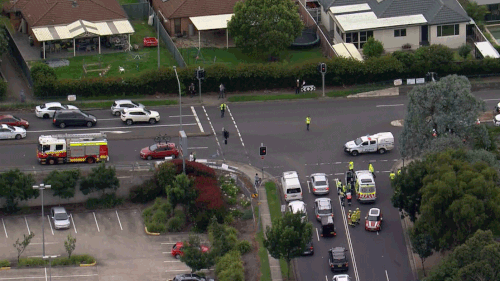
72 148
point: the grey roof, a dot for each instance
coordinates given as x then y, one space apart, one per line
434 11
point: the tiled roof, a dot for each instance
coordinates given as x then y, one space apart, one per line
57 12
194 8
12 6
434 11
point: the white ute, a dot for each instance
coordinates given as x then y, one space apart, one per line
380 143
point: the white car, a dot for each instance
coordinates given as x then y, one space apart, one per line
323 208
496 120
341 277
11 132
47 110
319 183
133 115
298 207
59 217
119 105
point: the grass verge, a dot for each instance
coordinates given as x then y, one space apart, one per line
265 269
273 97
356 90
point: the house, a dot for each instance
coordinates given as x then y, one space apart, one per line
397 24
68 23
493 7
178 15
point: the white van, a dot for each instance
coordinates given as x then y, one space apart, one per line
291 186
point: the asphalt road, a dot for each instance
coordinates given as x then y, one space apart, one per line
281 127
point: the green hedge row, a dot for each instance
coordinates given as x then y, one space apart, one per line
4 263
74 260
230 267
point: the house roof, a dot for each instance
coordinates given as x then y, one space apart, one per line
194 8
434 11
486 2
59 12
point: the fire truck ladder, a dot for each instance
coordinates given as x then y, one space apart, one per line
80 136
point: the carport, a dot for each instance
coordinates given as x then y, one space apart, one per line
205 23
347 50
485 49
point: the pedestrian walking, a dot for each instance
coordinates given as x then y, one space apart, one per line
191 157
194 156
226 135
308 122
221 91
222 109
351 166
372 170
297 89
256 180
192 90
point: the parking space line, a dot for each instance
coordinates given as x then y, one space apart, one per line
45 274
119 219
96 223
317 234
71 276
20 278
197 119
48 218
74 226
308 188
27 225
387 275
177 270
114 128
46 277
5 229
171 261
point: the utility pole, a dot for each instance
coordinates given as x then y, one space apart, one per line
262 152
180 115
42 187
158 30
199 80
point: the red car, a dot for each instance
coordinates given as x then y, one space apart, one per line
373 221
14 121
159 150
177 250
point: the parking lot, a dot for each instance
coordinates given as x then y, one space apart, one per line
116 238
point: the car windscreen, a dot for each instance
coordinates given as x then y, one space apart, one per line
153 147
61 216
43 106
16 118
134 103
147 111
293 190
10 127
325 211
320 183
373 218
365 189
358 141
84 114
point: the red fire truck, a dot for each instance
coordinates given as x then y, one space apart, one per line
72 148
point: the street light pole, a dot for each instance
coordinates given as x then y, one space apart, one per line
50 265
42 187
158 29
180 115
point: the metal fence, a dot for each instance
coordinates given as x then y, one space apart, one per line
168 42
137 10
14 51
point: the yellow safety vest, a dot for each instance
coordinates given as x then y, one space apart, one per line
399 172
370 167
392 175
351 166
223 106
308 120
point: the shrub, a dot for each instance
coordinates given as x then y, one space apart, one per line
145 192
247 214
106 201
156 227
243 246
61 261
27 262
245 202
92 203
237 213
44 79
231 201
373 48
3 90
194 169
209 193
82 259
229 219
180 214
156 216
464 50
4 263
175 224
230 267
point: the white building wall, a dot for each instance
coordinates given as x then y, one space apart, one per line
391 43
454 41
337 36
325 19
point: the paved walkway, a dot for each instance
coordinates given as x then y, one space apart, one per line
15 79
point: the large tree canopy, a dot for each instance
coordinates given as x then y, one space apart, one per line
265 26
449 108
477 259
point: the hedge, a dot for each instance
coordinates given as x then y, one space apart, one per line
4 263
74 260
230 267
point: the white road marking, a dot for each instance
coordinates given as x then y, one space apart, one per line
215 135
124 177
96 222
46 274
108 119
5 229
53 276
49 243
199 147
387 275
197 119
109 128
326 277
338 174
308 187
351 249
27 225
490 99
386 105
119 219
74 226
317 233
50 223
171 261
178 116
238 130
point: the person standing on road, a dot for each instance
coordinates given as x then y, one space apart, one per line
191 157
351 166
191 90
256 180
372 170
392 175
297 89
194 156
349 218
226 135
221 91
222 109
308 122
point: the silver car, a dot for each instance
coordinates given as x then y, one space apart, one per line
341 277
319 183
59 217
11 132
323 208
119 105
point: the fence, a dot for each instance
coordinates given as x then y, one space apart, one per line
168 41
14 51
137 10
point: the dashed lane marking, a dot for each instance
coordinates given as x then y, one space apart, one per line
96 222
213 131
74 226
351 249
5 229
27 225
50 224
197 119
239 134
119 219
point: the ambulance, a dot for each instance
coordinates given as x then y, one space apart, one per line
366 192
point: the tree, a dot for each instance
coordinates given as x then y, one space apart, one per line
100 179
477 259
4 42
21 246
447 106
407 185
193 257
70 245
431 58
63 183
182 191
223 238
44 77
421 245
464 50
288 236
373 48
15 186
475 11
230 267
165 176
265 26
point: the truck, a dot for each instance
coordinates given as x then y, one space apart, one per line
72 148
381 143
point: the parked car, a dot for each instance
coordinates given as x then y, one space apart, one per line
134 115
159 150
14 121
59 217
191 277
373 220
177 250
323 208
337 259
341 277
47 110
319 183
309 248
11 132
298 207
65 118
496 120
119 105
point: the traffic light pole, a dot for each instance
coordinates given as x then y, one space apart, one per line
262 145
323 74
199 82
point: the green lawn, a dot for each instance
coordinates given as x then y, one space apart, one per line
235 56
122 2
127 60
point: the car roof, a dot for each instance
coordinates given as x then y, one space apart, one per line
341 277
123 101
134 109
5 126
337 250
374 212
49 104
59 209
6 116
319 177
323 201
297 206
290 174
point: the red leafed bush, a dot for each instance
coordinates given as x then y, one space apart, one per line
209 193
194 169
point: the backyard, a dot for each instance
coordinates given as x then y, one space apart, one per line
132 62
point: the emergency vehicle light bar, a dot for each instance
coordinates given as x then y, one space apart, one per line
92 135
